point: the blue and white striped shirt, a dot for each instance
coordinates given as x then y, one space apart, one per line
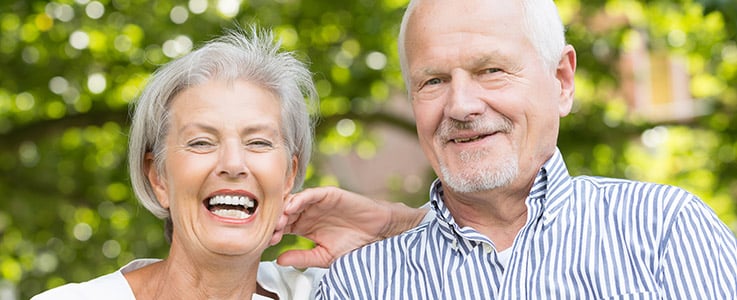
585 238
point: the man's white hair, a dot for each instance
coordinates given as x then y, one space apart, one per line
541 24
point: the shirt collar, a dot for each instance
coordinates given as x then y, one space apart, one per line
551 189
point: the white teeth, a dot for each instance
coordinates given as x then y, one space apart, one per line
232 200
231 213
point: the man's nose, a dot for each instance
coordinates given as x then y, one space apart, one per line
465 99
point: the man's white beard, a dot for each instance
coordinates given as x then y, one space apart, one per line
473 175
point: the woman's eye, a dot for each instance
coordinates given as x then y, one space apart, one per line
199 144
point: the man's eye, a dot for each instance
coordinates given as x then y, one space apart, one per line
260 144
433 81
492 70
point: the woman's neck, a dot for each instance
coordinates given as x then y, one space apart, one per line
184 276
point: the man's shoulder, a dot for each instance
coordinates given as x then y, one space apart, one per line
637 196
642 189
409 239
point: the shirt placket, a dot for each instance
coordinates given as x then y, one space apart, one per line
515 281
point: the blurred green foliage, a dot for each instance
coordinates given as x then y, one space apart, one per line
70 68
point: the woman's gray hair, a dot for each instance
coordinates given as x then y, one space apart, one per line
541 25
254 56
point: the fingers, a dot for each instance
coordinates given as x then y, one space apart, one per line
279 230
300 201
276 238
304 258
311 202
282 222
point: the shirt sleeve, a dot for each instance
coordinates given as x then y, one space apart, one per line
288 282
699 256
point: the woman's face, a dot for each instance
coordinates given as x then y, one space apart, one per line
226 169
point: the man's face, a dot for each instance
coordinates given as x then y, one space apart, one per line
487 107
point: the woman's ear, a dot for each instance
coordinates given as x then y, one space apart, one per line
291 176
157 183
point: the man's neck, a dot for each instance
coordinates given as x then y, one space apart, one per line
497 214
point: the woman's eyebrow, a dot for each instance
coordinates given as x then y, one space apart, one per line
251 128
267 127
196 126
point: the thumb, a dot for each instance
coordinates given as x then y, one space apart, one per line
303 259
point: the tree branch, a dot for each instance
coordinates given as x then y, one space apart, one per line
50 127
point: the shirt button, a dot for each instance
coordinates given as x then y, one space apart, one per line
454 245
487 248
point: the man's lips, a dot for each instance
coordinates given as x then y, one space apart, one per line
468 138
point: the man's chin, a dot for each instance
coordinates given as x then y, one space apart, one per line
474 180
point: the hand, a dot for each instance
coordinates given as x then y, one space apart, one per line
339 221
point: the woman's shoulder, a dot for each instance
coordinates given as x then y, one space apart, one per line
109 286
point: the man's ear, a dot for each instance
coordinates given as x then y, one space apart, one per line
565 73
157 183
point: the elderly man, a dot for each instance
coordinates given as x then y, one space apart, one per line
489 81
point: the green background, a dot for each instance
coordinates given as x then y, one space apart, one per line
69 70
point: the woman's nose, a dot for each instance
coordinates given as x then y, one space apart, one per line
232 162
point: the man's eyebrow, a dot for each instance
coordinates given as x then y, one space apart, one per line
475 61
428 71
489 57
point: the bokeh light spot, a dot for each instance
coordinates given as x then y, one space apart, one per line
179 14
376 60
25 101
95 10
346 127
96 83
229 8
111 249
58 85
82 231
197 6
79 40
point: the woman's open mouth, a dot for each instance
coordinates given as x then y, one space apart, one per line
231 206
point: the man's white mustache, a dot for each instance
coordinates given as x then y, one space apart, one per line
449 127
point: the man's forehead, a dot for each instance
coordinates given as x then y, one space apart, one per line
433 17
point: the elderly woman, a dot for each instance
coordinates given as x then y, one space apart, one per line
219 139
